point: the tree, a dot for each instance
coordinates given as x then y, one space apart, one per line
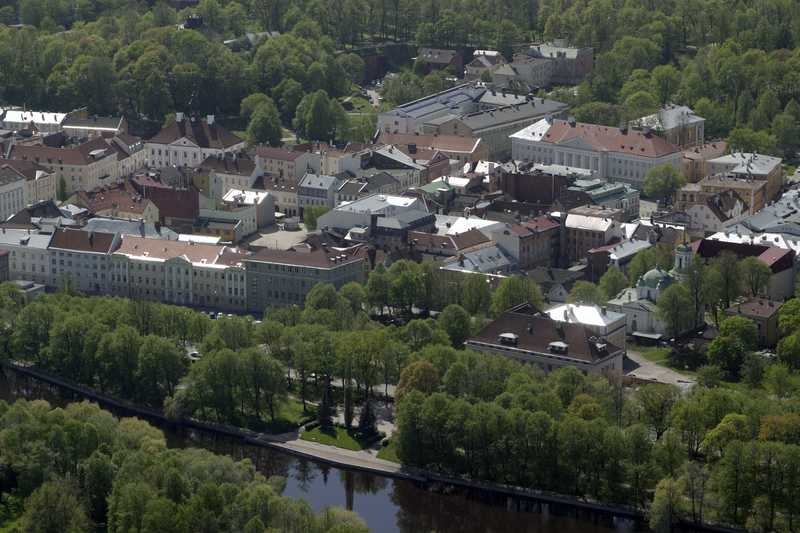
326 409
755 275
785 130
728 354
367 423
515 290
586 292
355 295
612 283
728 278
311 213
662 181
667 507
742 329
61 192
456 322
353 67
656 402
55 507
671 308
476 297
378 285
747 140
665 79
161 365
265 126
418 376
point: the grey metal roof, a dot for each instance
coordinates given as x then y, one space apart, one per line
536 108
22 237
318 181
129 227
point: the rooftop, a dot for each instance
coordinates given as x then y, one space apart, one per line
588 315
129 227
25 237
193 252
486 259
199 132
92 122
236 164
122 196
669 117
386 204
755 308
596 137
318 181
491 118
280 154
82 241
311 253
26 169
535 331
745 163
36 117
244 197
84 154
446 143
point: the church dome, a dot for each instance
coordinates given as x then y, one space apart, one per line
655 279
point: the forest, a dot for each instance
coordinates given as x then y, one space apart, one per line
735 63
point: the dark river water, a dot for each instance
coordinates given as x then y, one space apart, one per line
386 504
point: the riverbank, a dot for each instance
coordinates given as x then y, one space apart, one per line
363 461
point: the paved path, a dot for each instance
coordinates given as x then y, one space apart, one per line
364 459
648 370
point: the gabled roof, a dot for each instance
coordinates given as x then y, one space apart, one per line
84 154
535 331
27 169
778 259
437 55
82 241
123 197
198 132
280 154
240 165
597 137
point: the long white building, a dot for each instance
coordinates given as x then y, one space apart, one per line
621 154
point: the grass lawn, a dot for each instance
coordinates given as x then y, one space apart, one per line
389 452
290 415
338 437
654 354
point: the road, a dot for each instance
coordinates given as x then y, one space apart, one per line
651 371
364 459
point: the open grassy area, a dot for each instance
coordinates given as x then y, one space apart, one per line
389 452
338 437
654 354
290 415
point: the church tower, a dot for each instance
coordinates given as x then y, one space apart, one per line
683 260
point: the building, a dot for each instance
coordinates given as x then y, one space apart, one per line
750 166
532 242
39 183
525 73
118 200
571 64
380 183
494 125
12 191
622 154
525 334
182 273
231 171
617 254
360 213
607 325
284 277
28 255
188 141
82 260
610 194
436 245
695 160
441 59
715 212
782 216
678 124
779 260
82 168
752 192
589 227
483 61
285 195
555 283
458 148
255 210
764 313
21 119
317 191
488 258
177 200
79 124
470 110
286 165
131 155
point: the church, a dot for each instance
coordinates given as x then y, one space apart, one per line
638 303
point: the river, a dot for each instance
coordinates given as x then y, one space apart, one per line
387 505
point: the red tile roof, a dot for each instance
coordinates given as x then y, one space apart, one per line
280 154
82 241
755 307
447 143
535 225
123 197
609 138
778 259
310 254
26 169
77 155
